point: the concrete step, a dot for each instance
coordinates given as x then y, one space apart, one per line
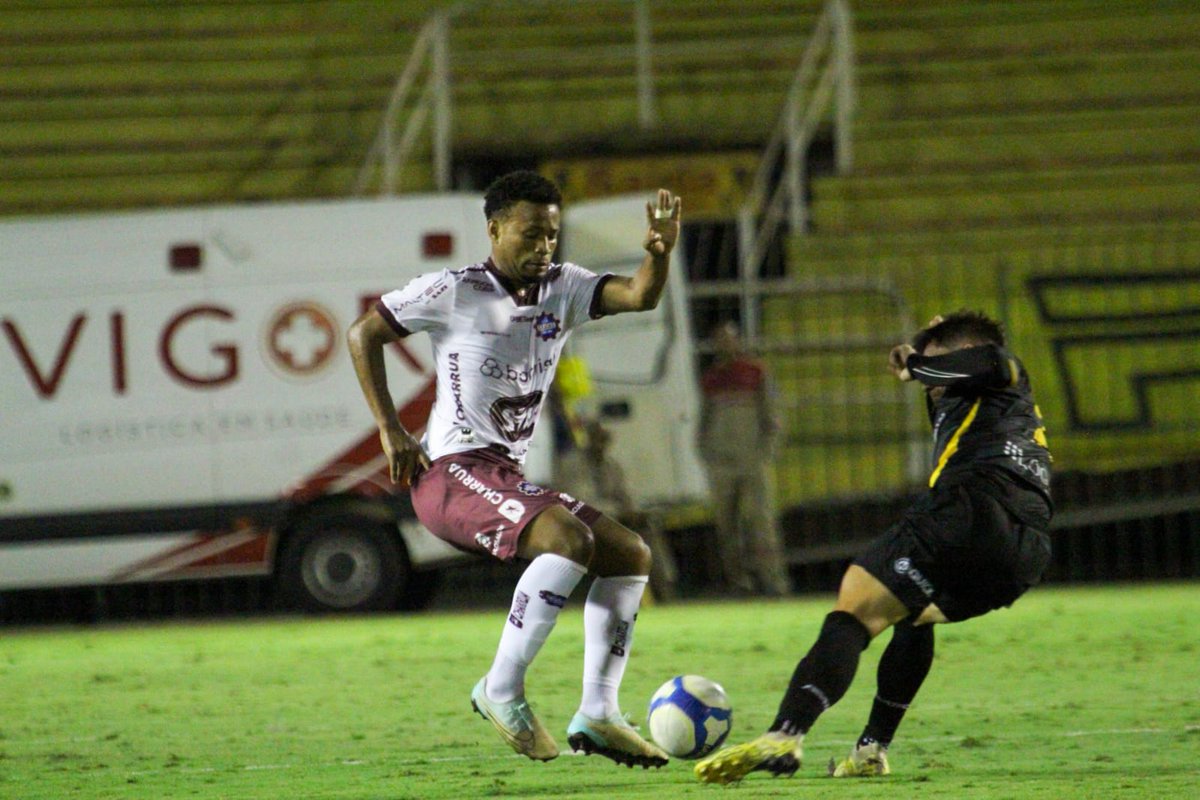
1028 141
1158 191
45 195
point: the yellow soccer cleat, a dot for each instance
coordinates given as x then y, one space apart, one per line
613 738
868 761
772 752
516 724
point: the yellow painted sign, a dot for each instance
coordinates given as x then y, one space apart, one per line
1112 346
711 184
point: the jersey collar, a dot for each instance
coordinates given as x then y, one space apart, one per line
527 296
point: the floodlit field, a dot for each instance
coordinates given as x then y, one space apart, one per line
1074 693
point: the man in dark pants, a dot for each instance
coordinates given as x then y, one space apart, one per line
973 544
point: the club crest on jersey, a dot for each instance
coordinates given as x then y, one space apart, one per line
547 326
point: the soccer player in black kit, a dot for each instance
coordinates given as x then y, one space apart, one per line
974 543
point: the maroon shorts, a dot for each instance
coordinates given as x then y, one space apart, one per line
480 502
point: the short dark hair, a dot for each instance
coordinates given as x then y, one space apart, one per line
508 190
961 327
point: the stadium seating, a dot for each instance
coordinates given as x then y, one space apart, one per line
110 104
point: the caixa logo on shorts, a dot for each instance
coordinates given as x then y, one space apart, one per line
903 566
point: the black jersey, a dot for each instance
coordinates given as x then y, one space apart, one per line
986 418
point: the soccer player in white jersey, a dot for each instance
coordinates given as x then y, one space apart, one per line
498 329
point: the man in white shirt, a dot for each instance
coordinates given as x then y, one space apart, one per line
498 329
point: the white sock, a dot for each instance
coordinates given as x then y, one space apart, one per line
608 617
541 593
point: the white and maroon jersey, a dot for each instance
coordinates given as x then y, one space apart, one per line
495 349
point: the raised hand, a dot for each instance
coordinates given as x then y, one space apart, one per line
897 361
663 220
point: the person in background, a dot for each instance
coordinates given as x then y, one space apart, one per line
737 438
591 471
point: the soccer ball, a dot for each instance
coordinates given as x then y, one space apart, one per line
689 716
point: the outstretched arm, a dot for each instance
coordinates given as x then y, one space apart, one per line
981 367
642 291
366 338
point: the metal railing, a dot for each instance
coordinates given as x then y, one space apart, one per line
428 71
393 144
825 76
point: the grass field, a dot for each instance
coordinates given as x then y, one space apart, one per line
1074 693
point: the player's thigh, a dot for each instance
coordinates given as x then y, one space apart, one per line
915 559
869 600
619 551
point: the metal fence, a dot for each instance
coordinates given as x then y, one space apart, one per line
1107 322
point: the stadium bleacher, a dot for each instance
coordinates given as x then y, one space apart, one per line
125 103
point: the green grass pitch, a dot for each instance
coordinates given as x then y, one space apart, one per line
1073 693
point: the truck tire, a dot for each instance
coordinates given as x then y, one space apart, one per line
342 562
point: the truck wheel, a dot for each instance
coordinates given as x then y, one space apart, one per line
342 563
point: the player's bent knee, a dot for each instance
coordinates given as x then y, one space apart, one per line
873 604
641 556
619 551
930 615
558 531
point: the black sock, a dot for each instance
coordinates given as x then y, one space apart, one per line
824 674
902 670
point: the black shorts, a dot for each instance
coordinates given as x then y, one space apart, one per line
962 548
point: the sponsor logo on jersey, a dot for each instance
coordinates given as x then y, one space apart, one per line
547 326
1031 465
456 387
515 417
492 368
478 285
434 291
466 436
531 489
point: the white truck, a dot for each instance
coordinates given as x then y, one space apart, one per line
177 401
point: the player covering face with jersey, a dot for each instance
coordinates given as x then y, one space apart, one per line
974 543
498 328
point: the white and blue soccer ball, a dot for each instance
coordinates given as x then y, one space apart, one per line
689 716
